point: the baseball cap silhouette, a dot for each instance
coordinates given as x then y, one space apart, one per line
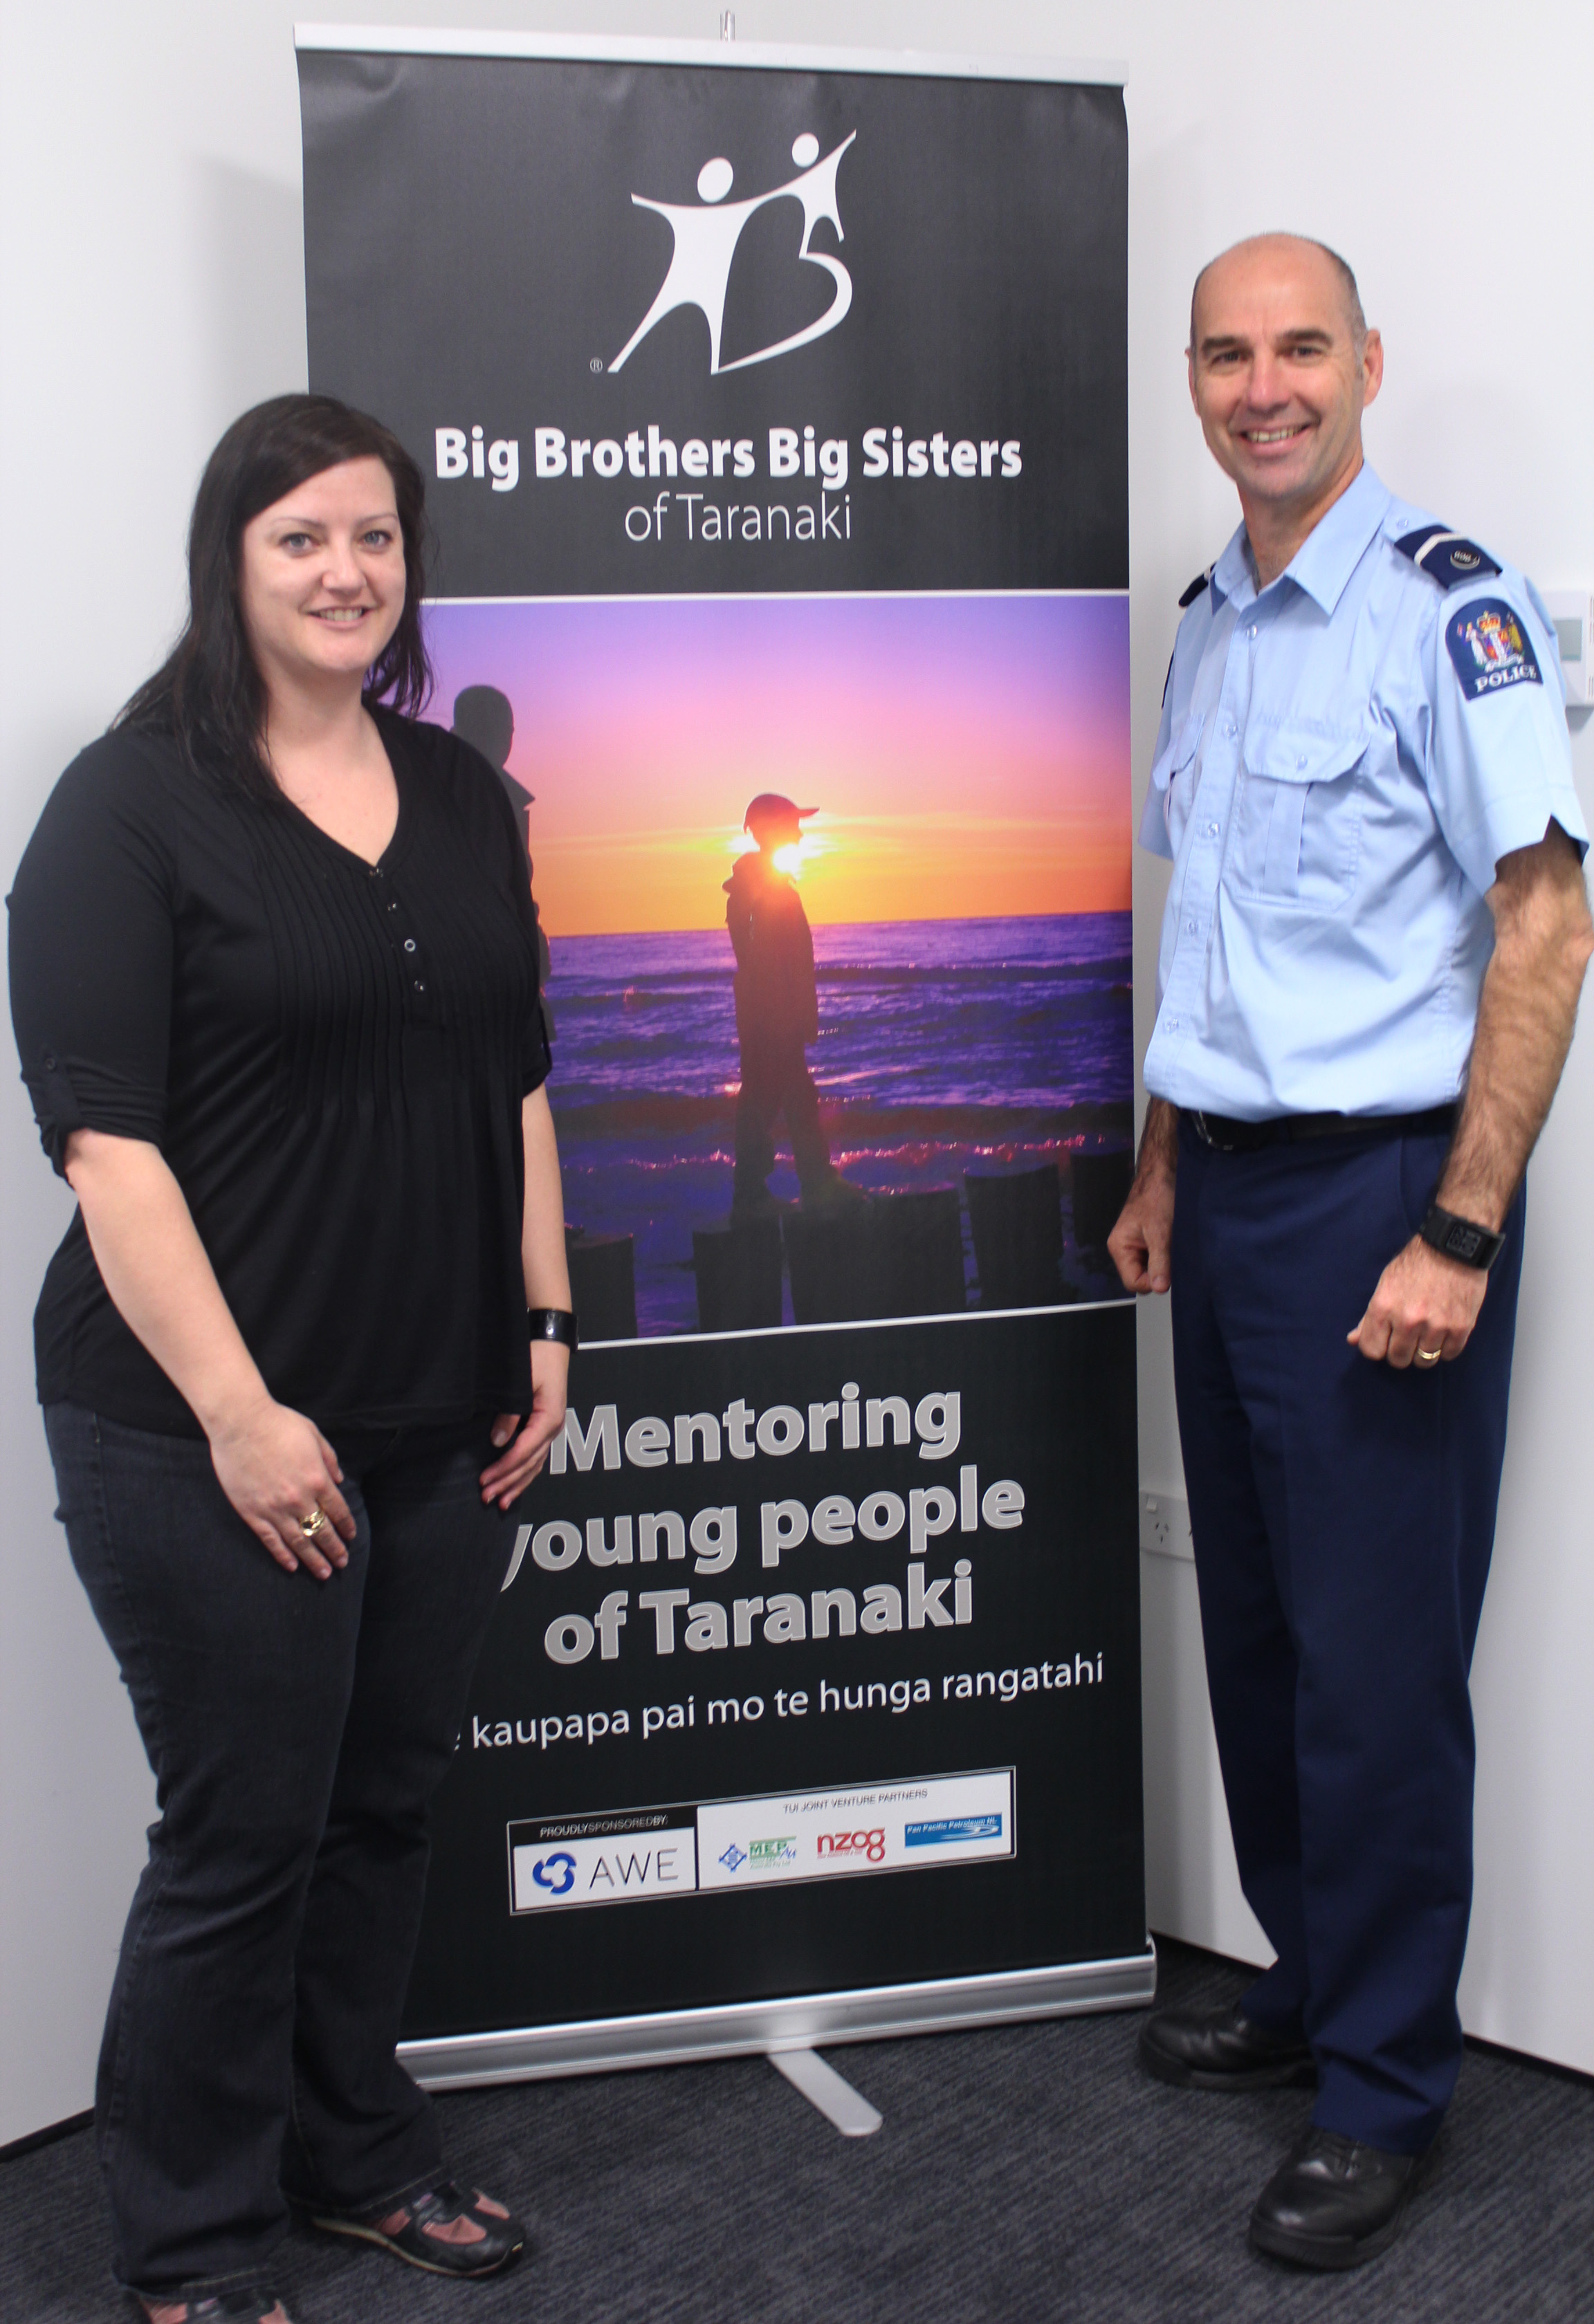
768 807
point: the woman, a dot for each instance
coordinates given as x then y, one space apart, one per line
274 982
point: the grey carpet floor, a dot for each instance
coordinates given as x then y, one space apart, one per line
1026 2173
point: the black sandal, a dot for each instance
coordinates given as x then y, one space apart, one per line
438 2228
244 2303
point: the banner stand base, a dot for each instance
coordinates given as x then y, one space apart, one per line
825 2088
743 2029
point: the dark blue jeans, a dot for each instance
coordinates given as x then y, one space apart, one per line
1343 1515
297 1731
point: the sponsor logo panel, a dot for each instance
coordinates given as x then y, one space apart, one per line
951 1828
749 1843
871 1828
610 1870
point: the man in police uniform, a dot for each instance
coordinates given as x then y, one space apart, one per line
1374 943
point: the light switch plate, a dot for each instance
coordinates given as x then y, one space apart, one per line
1572 611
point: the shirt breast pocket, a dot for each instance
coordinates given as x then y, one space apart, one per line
1297 838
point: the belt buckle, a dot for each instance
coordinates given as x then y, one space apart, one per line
1204 1132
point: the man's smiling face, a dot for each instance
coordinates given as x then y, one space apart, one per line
1277 373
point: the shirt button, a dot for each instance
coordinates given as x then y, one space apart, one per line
392 903
1192 927
419 986
49 1061
1252 630
409 944
1172 1024
1211 830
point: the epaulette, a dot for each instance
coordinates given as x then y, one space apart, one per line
1445 557
1194 590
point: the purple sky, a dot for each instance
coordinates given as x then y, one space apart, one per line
970 756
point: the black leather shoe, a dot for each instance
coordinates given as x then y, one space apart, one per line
1222 2050
1335 2203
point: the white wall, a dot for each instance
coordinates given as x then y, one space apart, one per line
152 286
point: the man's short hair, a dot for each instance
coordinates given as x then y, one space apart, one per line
1348 292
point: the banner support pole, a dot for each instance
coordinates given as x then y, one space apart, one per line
825 2088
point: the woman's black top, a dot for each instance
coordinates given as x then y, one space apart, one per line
330 1055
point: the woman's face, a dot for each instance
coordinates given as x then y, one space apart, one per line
322 577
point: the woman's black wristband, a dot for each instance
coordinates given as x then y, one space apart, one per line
553 1323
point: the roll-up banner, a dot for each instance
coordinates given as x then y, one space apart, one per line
772 405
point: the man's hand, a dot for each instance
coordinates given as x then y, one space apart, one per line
1526 1011
1141 1244
1425 1302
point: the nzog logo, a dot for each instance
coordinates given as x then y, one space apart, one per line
705 239
871 1844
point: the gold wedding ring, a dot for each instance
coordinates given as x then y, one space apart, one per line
315 1523
1429 1355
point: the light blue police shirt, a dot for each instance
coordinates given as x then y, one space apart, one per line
1343 758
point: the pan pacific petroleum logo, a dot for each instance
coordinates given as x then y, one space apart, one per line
705 239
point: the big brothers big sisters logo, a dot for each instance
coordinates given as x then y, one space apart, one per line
705 239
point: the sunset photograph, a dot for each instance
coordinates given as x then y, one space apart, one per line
968 756
836 895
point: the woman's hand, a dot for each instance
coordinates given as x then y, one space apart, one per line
275 1467
508 1478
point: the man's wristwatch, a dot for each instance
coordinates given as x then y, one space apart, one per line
1461 1239
553 1323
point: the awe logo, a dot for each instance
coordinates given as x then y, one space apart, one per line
706 243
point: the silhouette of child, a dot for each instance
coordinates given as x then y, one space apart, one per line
777 1015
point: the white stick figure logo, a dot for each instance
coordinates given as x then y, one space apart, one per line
706 243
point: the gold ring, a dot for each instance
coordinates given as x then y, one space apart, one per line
315 1523
1429 1355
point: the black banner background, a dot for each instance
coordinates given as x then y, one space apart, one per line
1043 1403
472 250
474 259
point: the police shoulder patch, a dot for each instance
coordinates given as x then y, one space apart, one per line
1194 590
1446 557
1490 648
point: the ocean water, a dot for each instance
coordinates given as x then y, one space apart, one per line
945 1046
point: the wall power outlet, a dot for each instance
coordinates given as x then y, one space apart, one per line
1165 1525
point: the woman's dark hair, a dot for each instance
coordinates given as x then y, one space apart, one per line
208 692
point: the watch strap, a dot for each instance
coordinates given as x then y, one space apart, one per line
554 1323
1461 1239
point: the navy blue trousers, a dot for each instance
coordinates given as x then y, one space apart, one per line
297 1729
1343 1515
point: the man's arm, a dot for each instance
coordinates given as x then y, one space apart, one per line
1141 1242
1543 938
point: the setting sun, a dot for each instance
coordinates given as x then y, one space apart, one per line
969 757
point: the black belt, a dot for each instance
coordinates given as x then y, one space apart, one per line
1226 1137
